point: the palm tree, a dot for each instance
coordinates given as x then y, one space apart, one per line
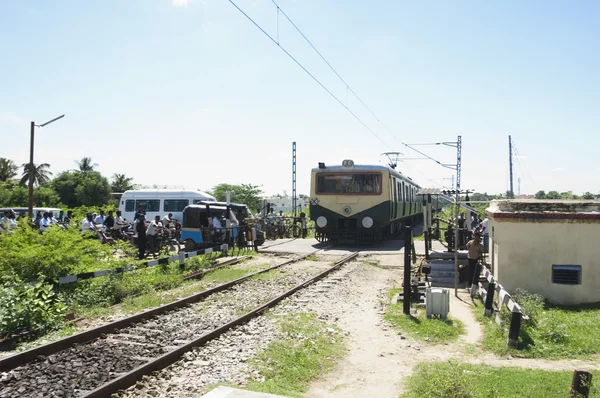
8 169
41 174
86 165
121 183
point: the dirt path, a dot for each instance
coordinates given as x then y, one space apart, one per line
379 358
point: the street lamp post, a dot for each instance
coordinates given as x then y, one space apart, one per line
33 126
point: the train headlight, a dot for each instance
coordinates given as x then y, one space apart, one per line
367 222
321 222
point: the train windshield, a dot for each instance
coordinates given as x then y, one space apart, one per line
349 183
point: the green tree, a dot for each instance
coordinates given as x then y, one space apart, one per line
18 197
41 174
540 195
553 195
8 169
82 189
93 189
121 183
45 196
85 165
247 194
567 195
65 184
588 196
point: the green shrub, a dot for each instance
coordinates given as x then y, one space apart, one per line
29 255
27 307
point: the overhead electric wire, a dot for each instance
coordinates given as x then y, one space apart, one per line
279 9
310 74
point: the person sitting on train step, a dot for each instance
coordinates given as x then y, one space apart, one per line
167 220
153 229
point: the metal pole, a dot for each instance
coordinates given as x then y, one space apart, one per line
407 289
294 178
510 164
457 211
580 386
30 201
513 330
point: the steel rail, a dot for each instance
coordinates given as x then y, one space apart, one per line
22 358
132 377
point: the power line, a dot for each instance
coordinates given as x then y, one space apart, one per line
310 74
279 9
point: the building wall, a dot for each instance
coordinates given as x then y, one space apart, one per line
524 252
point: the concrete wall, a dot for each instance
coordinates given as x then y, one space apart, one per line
524 252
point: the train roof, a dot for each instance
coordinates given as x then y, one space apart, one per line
364 167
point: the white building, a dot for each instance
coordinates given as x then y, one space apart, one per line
548 247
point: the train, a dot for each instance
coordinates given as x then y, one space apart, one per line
352 203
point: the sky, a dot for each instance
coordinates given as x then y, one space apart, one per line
189 93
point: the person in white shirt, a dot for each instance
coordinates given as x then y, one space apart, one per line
101 218
12 223
486 235
45 222
166 221
5 222
153 229
217 226
87 225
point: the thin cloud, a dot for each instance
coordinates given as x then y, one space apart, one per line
559 169
180 3
12 119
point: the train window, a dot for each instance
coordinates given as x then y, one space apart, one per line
150 205
399 191
349 183
130 205
175 204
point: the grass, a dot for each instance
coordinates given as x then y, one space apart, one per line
454 380
552 332
308 348
419 327
312 257
155 299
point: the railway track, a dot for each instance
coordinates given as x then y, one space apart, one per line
101 361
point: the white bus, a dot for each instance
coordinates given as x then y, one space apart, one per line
160 202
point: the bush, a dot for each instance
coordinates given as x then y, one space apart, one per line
29 308
29 255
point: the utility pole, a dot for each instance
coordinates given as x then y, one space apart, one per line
30 202
294 177
31 168
457 211
510 164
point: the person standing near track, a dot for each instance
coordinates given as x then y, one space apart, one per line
141 230
474 255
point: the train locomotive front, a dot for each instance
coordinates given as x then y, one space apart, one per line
361 203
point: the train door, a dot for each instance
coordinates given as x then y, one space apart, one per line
395 203
405 190
399 187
